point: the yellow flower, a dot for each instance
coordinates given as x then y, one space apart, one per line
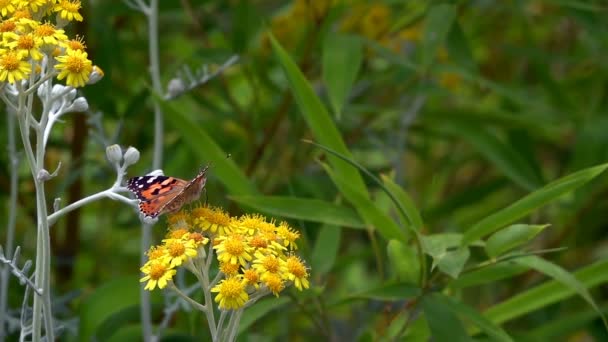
233 249
288 235
177 233
231 293
198 239
28 44
274 283
68 9
76 66
13 67
268 264
180 219
157 273
50 34
252 278
296 272
156 252
249 224
214 220
34 5
179 250
79 44
7 7
229 269
376 21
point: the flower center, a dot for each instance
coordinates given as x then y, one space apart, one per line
176 249
7 26
26 42
157 270
234 246
231 288
10 61
271 264
296 268
45 30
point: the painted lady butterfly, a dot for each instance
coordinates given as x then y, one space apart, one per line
159 195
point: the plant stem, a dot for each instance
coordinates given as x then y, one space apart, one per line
12 216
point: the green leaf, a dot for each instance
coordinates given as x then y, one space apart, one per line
111 298
342 57
459 49
531 202
478 319
320 123
444 324
453 262
303 209
488 274
436 245
368 210
412 213
386 292
547 293
445 251
563 276
511 237
404 261
506 159
207 150
259 310
326 249
437 25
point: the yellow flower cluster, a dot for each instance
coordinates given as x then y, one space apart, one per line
255 256
27 37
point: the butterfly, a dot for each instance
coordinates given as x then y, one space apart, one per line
159 195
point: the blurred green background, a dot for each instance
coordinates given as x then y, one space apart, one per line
466 105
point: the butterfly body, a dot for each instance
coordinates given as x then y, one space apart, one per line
159 195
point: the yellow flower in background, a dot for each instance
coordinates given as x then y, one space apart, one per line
34 5
68 9
156 252
249 224
79 44
229 269
75 66
12 67
7 7
231 293
158 273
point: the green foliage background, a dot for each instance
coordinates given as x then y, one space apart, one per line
464 107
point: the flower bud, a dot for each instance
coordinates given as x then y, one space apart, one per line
131 156
176 86
79 105
114 154
96 75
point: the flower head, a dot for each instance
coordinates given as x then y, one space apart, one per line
233 249
213 220
76 66
296 272
231 293
68 9
13 67
179 250
158 273
288 235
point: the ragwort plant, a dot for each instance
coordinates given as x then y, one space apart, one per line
34 52
254 258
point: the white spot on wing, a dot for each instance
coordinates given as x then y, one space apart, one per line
151 180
